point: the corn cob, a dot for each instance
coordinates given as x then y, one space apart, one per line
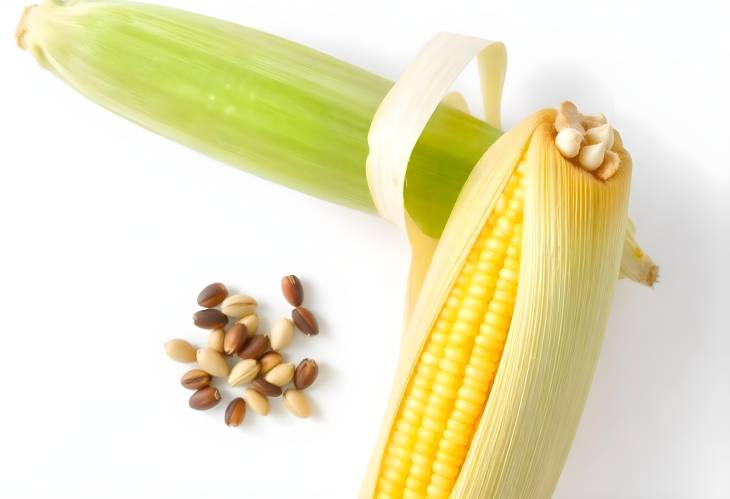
501 350
261 103
508 308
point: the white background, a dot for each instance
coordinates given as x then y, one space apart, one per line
108 232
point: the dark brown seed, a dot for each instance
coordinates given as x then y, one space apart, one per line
210 318
305 321
205 398
291 286
212 295
265 388
235 338
235 412
255 347
305 374
195 379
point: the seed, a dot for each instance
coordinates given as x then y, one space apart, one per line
256 401
305 321
255 347
568 142
235 339
282 333
235 412
205 398
215 340
251 321
210 318
280 375
297 403
269 360
195 379
243 372
180 350
265 388
237 306
212 295
591 156
212 362
305 374
291 286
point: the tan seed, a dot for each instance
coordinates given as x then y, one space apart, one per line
269 360
243 372
255 347
235 412
210 318
195 379
280 375
292 289
265 388
257 402
297 403
205 398
212 295
212 362
251 321
235 339
215 340
180 350
305 321
282 334
305 374
237 306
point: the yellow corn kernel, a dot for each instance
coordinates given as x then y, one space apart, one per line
455 371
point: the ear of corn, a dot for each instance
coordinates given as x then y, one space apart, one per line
269 106
500 350
507 301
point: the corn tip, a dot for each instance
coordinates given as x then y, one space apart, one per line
22 28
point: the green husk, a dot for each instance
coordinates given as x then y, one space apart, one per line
261 103
266 105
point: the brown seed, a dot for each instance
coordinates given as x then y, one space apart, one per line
305 321
210 318
205 398
265 388
305 374
255 347
212 295
269 360
195 379
235 338
291 286
235 412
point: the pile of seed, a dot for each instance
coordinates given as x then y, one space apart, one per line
246 358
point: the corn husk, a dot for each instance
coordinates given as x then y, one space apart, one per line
263 104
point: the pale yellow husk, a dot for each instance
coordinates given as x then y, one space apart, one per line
573 239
